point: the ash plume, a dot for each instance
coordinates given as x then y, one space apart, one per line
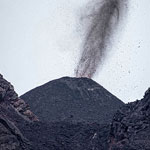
104 21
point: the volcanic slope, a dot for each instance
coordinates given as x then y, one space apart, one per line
20 129
72 99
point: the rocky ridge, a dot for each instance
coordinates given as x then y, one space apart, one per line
10 97
130 129
13 111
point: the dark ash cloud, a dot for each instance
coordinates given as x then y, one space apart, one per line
104 22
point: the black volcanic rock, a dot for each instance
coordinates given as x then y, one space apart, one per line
67 136
130 129
21 130
11 138
72 99
10 97
14 112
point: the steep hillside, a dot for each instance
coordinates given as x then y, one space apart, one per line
74 128
72 99
14 112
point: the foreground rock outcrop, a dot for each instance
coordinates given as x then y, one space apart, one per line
14 112
9 97
130 129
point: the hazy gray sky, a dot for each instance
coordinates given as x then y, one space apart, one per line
40 40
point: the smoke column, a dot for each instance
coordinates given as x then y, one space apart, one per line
104 21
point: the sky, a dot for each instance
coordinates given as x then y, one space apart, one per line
41 40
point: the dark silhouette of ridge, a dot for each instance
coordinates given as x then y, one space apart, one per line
72 99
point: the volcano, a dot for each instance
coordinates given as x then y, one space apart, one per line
72 114
72 99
